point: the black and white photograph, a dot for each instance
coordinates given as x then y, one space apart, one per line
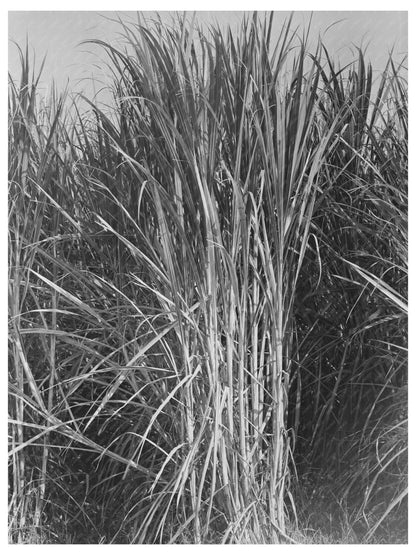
207 276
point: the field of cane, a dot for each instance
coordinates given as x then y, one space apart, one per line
207 296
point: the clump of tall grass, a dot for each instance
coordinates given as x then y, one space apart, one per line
353 323
197 303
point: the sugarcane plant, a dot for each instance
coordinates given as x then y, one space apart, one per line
174 262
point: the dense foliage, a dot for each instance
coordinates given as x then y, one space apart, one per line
207 296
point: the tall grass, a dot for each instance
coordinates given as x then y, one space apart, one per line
207 292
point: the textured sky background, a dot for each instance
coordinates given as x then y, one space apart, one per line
58 34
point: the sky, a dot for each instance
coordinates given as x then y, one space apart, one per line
59 36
